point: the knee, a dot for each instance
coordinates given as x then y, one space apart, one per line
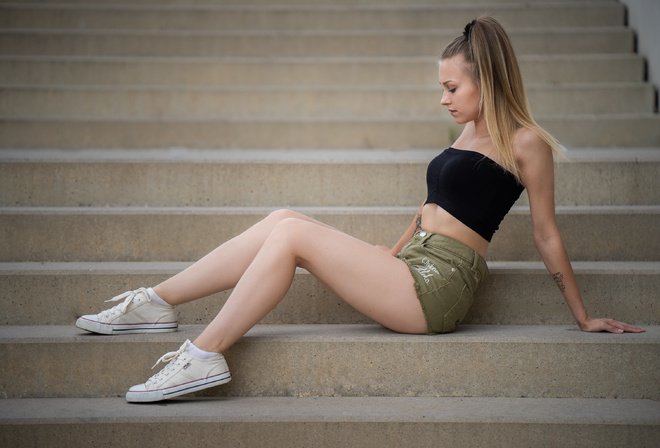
288 232
290 225
278 216
294 237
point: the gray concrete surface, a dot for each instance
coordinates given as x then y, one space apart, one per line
211 178
173 234
332 422
514 293
347 360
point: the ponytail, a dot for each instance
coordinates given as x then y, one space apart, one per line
486 48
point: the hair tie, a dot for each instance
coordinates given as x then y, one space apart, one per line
468 29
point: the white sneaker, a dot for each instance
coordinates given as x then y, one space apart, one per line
183 374
136 314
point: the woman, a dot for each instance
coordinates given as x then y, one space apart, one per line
426 282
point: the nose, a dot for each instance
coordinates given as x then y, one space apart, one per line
445 99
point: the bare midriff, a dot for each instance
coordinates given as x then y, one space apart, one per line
437 220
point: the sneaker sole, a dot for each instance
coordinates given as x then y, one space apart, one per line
175 391
102 328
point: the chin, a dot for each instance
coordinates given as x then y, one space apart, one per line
462 119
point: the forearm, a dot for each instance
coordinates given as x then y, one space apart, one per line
556 260
414 226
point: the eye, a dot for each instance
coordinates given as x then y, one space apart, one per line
452 90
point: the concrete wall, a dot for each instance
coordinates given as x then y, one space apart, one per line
644 17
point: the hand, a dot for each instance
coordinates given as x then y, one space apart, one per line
611 325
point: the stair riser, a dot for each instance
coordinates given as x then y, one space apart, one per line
330 434
575 131
192 104
394 134
538 16
391 365
253 3
228 184
298 72
250 45
508 297
138 236
218 46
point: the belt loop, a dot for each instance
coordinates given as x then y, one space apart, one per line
475 267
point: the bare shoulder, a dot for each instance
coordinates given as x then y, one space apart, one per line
530 149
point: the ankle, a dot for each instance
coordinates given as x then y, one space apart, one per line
199 353
155 298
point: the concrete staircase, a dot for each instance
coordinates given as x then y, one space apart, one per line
135 136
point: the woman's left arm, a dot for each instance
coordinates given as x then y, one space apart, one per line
537 173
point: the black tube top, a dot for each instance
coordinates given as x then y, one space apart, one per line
473 188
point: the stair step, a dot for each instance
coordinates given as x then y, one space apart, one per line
264 101
261 3
109 106
139 233
371 43
602 130
330 17
515 293
334 421
534 361
252 178
52 70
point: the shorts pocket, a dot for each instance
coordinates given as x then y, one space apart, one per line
457 313
435 273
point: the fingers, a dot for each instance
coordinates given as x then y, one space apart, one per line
614 326
629 328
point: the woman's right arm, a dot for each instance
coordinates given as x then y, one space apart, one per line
414 227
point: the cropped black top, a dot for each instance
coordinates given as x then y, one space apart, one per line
473 188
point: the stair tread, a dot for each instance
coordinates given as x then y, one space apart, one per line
329 156
335 409
434 118
400 60
363 333
380 210
347 360
319 383
134 267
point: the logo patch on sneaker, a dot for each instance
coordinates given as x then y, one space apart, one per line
186 366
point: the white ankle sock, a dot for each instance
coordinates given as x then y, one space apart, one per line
199 353
155 298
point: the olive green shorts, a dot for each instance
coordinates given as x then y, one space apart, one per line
446 274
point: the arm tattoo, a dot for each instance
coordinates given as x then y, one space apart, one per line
418 222
559 279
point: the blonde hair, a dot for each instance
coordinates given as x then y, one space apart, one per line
487 49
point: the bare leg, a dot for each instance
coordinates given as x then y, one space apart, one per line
223 267
367 278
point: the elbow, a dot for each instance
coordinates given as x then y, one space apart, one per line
540 239
546 236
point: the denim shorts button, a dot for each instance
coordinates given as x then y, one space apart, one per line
422 234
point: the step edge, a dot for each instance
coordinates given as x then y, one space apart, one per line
338 409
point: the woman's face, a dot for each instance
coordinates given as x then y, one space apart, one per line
461 95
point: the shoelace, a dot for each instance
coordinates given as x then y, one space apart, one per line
171 360
128 298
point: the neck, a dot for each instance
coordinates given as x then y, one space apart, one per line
480 128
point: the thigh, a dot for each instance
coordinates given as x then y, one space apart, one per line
223 267
369 279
